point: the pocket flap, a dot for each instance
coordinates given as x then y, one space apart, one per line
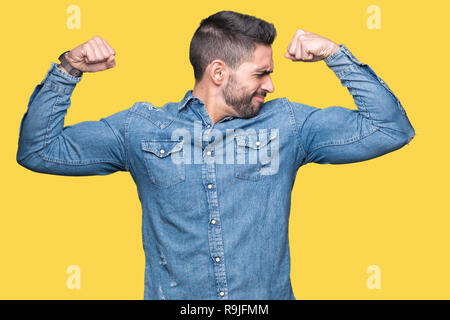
162 148
252 141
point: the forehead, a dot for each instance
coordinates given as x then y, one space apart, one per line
262 59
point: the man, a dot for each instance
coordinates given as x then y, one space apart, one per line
214 172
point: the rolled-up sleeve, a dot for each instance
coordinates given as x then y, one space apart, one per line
339 135
85 148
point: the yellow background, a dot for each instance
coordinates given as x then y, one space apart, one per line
392 211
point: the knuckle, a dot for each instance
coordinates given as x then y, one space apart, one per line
86 49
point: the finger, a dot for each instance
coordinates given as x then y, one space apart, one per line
298 50
289 56
293 46
95 52
101 47
290 45
95 67
90 55
101 66
306 54
111 62
110 49
95 49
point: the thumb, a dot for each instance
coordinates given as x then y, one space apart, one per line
111 62
288 55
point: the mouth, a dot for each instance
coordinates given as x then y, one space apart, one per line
259 98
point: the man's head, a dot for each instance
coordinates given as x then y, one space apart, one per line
232 52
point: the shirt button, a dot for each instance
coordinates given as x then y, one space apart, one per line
257 143
208 126
221 293
162 151
217 259
210 186
208 153
213 221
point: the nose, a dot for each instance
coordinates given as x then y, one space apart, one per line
268 84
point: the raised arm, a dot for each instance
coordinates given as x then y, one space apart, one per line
340 135
86 148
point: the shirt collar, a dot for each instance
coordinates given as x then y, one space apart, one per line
188 97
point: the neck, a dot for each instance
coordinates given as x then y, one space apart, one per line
214 102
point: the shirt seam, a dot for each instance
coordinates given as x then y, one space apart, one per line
77 162
347 141
126 141
117 138
50 118
158 124
294 128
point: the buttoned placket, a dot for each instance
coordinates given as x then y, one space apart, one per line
215 237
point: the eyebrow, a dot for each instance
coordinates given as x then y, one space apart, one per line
264 71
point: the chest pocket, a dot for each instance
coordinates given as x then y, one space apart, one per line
256 155
164 161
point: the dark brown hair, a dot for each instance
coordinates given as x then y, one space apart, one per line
230 37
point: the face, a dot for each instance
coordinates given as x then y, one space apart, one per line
248 85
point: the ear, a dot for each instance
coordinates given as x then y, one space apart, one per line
218 72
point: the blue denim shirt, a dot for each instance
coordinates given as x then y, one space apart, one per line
215 196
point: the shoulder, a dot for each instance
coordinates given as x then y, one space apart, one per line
272 105
300 110
159 116
146 106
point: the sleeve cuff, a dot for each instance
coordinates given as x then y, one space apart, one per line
334 55
340 55
59 80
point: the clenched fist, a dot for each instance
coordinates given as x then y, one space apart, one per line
92 56
309 47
